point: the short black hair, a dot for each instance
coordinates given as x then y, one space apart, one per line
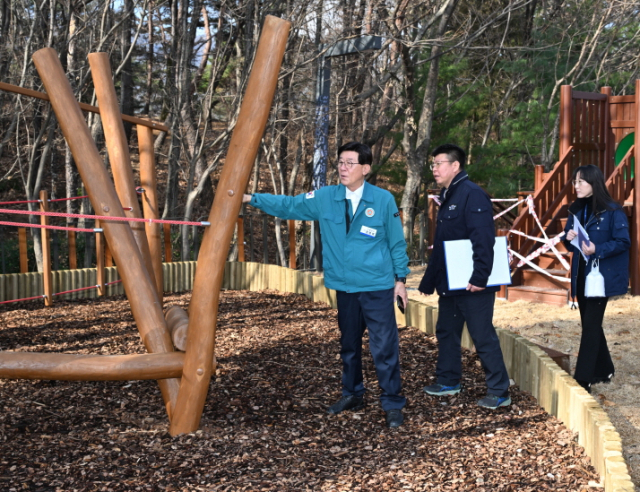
364 151
454 152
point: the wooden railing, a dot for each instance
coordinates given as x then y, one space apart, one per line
553 194
620 183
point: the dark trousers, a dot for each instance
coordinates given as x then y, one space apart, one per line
594 360
373 310
477 310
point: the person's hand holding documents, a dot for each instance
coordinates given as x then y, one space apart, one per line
579 238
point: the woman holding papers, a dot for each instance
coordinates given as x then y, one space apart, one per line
597 226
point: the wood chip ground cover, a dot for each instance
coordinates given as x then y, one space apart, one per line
265 425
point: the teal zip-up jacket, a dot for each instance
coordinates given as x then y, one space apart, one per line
370 255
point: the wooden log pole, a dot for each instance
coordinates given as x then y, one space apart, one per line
166 232
240 222
118 149
73 255
47 278
22 247
100 257
292 244
90 367
243 148
145 306
150 202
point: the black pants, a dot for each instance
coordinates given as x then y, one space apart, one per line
594 360
373 310
477 310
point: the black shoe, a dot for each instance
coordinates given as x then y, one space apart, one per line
394 418
585 385
349 402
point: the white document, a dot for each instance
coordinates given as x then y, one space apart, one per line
582 237
459 261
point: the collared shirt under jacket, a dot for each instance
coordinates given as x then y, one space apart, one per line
362 252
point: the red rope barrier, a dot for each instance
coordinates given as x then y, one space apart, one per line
19 202
25 299
57 228
67 199
102 217
86 288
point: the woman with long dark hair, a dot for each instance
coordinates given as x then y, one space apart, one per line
608 231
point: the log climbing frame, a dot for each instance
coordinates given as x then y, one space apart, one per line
183 377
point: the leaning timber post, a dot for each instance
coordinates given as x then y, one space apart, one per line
141 291
100 260
150 201
166 232
118 149
203 309
240 236
635 239
47 279
22 247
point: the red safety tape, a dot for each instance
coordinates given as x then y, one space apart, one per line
102 217
57 228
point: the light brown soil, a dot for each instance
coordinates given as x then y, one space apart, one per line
559 328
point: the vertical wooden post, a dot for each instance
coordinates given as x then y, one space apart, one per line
73 257
140 291
118 149
100 257
22 242
566 124
168 254
47 279
635 228
150 202
108 257
608 138
538 177
292 244
243 148
240 235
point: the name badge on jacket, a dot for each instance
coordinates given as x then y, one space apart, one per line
368 231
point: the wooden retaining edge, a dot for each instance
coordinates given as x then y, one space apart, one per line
535 372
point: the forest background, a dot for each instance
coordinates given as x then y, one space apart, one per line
483 74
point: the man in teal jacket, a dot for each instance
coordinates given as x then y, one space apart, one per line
365 262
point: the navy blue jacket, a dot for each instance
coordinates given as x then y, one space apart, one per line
465 213
609 231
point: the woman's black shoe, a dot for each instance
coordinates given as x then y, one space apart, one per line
585 385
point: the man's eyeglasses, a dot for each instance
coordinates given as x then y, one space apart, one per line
437 164
347 164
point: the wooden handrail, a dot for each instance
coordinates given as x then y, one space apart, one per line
85 107
620 183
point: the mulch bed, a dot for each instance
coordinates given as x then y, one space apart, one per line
265 425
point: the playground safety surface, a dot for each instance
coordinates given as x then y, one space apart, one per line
265 425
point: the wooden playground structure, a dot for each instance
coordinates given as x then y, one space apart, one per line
183 377
598 129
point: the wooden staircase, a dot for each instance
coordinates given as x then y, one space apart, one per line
591 124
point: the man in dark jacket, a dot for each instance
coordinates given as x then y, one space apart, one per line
465 213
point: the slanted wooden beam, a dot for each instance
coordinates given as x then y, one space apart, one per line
243 148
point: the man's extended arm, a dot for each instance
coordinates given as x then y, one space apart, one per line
300 207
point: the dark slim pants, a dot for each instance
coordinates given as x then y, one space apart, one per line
373 310
594 360
477 310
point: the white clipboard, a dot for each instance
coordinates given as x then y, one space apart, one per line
458 257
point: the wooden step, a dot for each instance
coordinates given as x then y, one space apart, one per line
550 260
557 297
534 278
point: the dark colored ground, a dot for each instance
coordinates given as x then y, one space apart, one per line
265 425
